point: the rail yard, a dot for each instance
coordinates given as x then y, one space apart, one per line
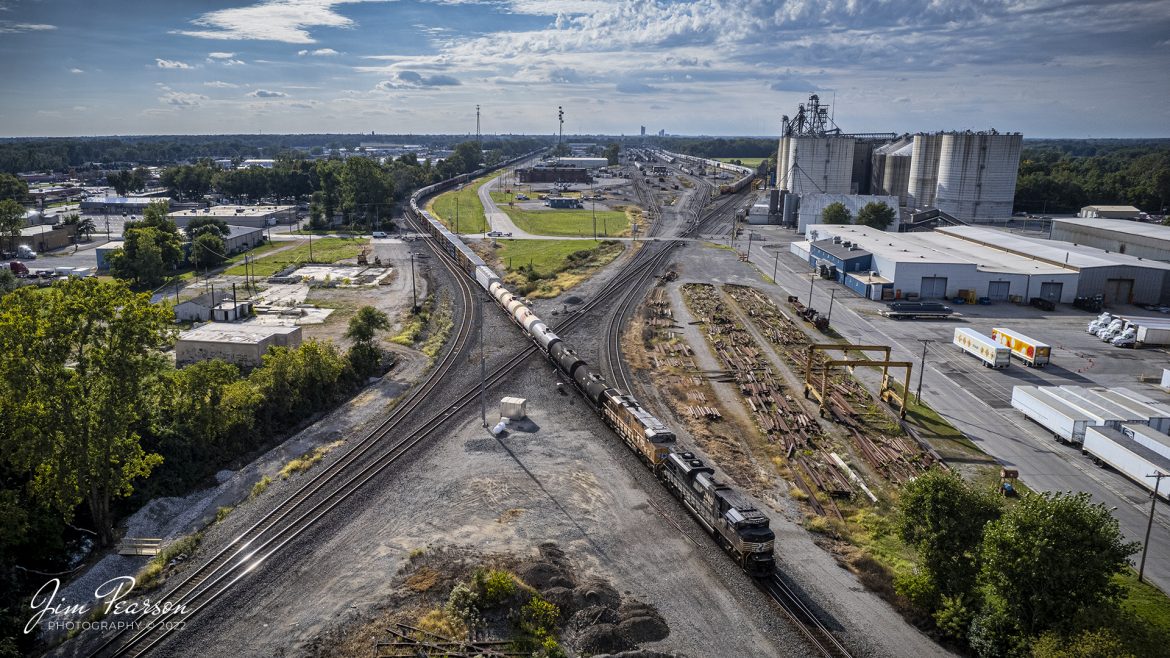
684 414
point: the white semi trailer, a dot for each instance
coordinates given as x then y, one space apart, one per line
991 353
1157 441
1066 422
1156 415
1110 447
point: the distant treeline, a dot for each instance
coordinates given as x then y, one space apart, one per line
1064 175
64 153
721 147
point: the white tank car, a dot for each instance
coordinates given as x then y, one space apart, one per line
543 335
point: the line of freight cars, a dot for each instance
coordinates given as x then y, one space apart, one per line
1116 427
746 174
996 350
742 530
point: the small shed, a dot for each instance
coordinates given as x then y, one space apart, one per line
513 408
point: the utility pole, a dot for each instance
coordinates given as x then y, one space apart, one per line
832 296
482 367
751 234
413 291
310 245
921 369
1149 524
457 211
811 280
775 267
593 204
478 140
561 119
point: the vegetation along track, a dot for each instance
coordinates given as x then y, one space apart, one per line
319 495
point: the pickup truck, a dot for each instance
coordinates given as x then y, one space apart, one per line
499 234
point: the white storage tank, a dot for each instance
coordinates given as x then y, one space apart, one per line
821 163
923 170
977 175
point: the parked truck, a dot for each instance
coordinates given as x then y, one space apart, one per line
1149 437
1156 414
1032 352
991 353
1066 422
1110 447
19 269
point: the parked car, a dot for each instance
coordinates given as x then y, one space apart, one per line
379 234
495 234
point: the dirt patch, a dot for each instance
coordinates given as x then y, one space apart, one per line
422 580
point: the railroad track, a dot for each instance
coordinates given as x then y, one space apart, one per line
804 618
306 505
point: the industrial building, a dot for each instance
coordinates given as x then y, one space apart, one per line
242 344
1000 266
1132 238
198 308
117 205
554 175
1110 212
582 163
251 216
102 254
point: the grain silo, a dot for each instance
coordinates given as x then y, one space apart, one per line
891 169
924 160
977 175
820 163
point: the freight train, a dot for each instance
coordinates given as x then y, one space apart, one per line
737 525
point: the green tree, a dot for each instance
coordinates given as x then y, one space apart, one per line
86 226
207 250
11 219
943 517
876 214
8 281
611 153
147 256
836 213
78 360
214 225
296 383
12 187
364 326
1051 556
364 189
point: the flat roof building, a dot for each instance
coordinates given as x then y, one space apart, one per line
1110 212
116 205
251 216
995 264
240 343
1123 236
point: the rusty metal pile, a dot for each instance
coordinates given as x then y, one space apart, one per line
778 416
896 458
403 640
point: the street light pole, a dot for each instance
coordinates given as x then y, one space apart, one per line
832 296
811 280
1149 524
751 234
921 369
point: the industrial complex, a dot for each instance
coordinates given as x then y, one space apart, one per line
995 265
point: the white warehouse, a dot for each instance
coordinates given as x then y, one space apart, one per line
998 265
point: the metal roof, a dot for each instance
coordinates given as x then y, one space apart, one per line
1126 226
1071 256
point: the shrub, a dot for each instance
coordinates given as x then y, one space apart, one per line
463 604
539 617
498 586
260 486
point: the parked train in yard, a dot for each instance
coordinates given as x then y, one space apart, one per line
737 525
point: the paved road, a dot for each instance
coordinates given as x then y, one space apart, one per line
974 400
497 219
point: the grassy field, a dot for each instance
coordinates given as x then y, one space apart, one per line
579 223
325 250
470 210
747 162
545 268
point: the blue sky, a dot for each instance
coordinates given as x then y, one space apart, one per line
1056 68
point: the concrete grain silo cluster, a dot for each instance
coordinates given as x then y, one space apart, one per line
969 176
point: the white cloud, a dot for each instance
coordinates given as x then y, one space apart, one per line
320 52
12 27
220 55
182 99
219 84
272 20
416 80
171 64
265 93
76 70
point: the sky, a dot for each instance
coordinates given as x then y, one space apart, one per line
1046 68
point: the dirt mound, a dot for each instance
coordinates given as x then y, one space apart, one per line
564 598
545 575
595 591
644 628
591 616
602 638
573 299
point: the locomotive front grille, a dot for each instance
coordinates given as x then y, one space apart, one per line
758 547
